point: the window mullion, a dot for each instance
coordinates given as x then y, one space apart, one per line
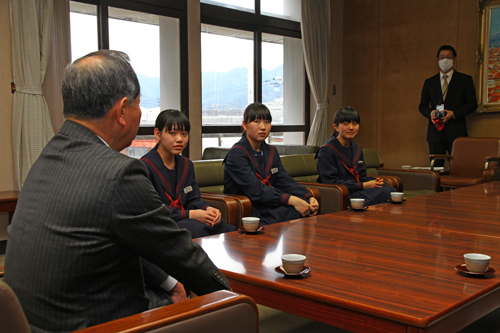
103 25
258 66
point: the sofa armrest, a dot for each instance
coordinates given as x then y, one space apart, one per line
229 207
334 198
490 159
222 311
416 179
435 157
237 206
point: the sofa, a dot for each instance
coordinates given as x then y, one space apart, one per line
416 182
332 198
213 153
221 311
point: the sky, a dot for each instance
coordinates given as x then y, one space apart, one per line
141 43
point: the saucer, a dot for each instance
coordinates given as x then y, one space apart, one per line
396 202
259 229
357 210
463 269
279 269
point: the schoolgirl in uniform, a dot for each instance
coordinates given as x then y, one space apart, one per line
340 161
173 177
253 168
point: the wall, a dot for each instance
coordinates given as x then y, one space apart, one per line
389 49
6 164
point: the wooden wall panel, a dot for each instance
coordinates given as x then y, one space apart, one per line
393 49
360 64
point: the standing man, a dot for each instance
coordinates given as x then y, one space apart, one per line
87 214
447 98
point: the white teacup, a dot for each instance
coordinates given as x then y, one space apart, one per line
397 196
476 262
250 223
293 263
357 203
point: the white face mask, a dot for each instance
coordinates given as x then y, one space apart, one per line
446 65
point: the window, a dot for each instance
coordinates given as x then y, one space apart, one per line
83 26
227 71
151 36
250 57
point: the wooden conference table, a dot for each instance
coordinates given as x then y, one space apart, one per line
390 268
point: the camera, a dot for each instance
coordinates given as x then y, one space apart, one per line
439 114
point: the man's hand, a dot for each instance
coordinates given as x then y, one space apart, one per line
178 294
432 115
448 117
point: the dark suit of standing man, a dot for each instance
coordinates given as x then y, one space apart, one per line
458 100
87 213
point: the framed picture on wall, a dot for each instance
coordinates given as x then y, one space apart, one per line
488 56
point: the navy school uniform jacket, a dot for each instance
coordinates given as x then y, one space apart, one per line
268 189
330 157
345 166
184 197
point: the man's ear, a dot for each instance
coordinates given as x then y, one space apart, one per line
120 108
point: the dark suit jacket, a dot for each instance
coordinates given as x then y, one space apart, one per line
461 99
84 216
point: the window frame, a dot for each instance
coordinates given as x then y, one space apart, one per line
258 24
172 8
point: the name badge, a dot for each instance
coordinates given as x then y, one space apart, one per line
360 162
274 170
440 107
188 189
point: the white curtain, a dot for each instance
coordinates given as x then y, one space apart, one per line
316 42
31 29
59 58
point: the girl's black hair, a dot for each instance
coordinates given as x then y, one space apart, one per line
345 114
172 119
256 111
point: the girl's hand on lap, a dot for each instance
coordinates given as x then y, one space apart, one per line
313 206
300 205
217 217
204 216
379 182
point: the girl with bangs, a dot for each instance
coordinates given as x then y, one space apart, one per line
340 161
173 178
253 168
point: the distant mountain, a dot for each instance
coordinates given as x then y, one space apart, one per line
223 90
150 91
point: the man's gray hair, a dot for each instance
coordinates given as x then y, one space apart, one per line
91 88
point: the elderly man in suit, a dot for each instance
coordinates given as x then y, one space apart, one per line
447 98
87 214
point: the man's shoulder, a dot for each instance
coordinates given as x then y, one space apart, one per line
433 78
461 75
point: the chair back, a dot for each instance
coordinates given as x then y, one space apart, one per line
209 175
468 155
372 162
12 318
